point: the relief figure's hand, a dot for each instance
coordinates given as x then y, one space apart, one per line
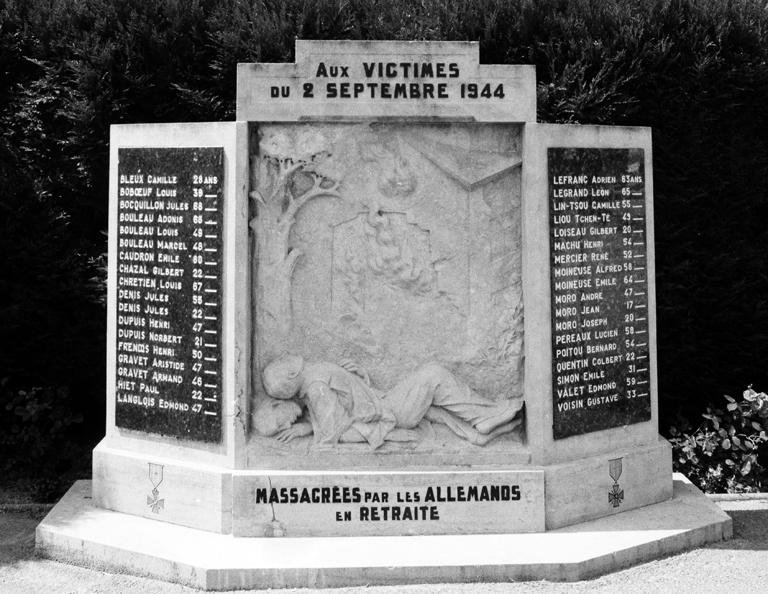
353 367
294 431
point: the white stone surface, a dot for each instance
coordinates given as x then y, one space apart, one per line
304 94
400 253
214 498
194 495
388 503
578 491
77 532
232 136
537 138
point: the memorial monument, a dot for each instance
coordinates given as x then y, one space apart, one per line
383 302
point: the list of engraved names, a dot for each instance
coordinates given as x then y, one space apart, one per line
169 291
600 355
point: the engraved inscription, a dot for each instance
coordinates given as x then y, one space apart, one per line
600 367
168 297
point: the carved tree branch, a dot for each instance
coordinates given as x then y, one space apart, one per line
277 201
285 170
315 191
290 261
257 196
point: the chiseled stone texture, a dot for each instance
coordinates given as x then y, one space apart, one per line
391 246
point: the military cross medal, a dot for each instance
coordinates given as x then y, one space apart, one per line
616 494
155 477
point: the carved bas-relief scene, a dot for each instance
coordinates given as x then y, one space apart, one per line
386 291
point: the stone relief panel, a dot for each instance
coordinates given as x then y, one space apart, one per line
386 282
380 251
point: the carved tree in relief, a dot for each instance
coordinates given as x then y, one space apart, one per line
285 178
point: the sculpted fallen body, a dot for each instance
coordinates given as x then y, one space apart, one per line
342 406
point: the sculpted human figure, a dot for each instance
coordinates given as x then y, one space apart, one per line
342 406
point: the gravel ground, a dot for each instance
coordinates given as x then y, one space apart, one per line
737 566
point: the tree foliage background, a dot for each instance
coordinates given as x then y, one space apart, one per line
695 71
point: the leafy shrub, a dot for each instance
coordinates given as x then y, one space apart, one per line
39 439
727 451
35 421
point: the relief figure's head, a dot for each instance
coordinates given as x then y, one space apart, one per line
272 416
282 377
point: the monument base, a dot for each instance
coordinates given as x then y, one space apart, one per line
385 502
77 532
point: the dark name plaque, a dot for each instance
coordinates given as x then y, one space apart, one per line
600 364
169 247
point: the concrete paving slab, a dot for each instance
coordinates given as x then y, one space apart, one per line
77 532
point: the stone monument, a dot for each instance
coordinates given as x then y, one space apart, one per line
383 302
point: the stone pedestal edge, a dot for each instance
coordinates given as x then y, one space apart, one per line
607 484
77 532
224 501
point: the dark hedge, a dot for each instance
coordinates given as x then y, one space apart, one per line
697 72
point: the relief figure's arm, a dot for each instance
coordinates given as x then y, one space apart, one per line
330 420
298 429
358 370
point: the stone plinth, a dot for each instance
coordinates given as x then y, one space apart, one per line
77 532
